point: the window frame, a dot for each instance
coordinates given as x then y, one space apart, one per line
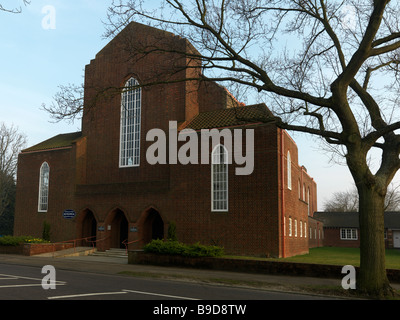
289 171
349 234
130 125
224 182
44 186
301 229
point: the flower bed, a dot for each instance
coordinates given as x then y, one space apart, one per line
29 246
11 241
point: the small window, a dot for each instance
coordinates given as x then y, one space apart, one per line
290 227
301 229
295 228
219 179
44 187
289 171
348 234
299 188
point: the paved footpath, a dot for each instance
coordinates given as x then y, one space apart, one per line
114 265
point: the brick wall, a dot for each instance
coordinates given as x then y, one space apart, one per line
87 177
28 221
299 200
315 233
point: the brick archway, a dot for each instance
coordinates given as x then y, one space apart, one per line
117 228
151 226
87 227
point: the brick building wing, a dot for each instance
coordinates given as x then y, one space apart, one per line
342 229
104 176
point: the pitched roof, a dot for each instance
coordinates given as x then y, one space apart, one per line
231 117
57 142
350 219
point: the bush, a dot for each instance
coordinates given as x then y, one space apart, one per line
46 231
178 248
16 241
172 232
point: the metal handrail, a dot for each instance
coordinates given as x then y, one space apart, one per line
70 241
96 241
128 243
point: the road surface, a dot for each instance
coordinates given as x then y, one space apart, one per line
33 283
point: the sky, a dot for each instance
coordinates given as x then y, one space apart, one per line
49 44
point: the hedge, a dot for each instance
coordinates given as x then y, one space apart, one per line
16 241
170 247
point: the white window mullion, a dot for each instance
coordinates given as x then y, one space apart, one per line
219 179
44 182
130 125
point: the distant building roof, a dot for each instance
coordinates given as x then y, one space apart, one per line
350 219
230 117
57 142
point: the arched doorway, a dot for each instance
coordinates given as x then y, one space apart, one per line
119 230
153 226
89 227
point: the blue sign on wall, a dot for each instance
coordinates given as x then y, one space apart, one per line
69 214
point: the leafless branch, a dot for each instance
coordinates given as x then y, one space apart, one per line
14 10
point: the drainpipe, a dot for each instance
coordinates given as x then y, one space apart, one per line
283 194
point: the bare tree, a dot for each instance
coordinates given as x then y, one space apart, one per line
342 201
328 68
68 103
16 9
11 143
347 201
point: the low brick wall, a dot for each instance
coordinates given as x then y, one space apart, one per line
31 249
12 249
249 266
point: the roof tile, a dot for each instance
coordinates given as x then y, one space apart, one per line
57 142
236 116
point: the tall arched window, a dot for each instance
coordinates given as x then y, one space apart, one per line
289 171
131 105
44 187
299 188
219 179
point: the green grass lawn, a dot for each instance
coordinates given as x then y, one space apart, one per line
342 256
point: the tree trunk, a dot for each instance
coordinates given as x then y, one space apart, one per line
372 278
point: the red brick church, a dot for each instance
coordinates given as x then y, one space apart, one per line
100 184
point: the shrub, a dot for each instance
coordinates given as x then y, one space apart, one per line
172 232
178 248
16 241
46 231
199 250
